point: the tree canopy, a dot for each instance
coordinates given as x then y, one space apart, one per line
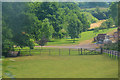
27 23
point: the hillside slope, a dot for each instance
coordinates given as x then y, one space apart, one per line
97 24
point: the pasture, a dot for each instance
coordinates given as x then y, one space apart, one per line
82 66
84 36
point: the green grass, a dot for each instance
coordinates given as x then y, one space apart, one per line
84 66
84 36
93 9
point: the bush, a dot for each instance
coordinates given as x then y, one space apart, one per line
113 46
6 47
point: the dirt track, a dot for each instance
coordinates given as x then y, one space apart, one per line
85 44
97 24
75 46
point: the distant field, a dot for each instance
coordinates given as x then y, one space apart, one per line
84 36
93 9
84 66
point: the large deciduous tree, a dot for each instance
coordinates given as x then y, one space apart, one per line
75 26
114 12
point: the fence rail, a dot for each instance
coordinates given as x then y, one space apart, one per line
64 52
55 52
112 53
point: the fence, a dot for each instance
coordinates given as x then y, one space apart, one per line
112 54
57 52
64 52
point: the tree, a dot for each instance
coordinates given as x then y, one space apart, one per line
110 23
107 24
96 30
47 29
93 4
7 43
75 26
103 26
42 42
18 20
114 12
85 22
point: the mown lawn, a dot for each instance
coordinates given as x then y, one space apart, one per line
84 36
83 66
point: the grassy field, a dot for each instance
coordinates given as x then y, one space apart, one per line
84 66
84 36
97 24
93 9
44 66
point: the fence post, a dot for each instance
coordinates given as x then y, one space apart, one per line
118 55
95 51
59 51
84 52
108 52
101 50
81 51
115 55
49 52
69 51
78 52
18 53
105 51
112 54
30 52
40 51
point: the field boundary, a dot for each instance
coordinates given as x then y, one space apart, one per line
54 52
63 52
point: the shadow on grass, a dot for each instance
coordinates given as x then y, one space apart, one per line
51 41
72 40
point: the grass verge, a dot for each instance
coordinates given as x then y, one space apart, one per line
87 66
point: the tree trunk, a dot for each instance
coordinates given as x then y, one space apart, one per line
74 40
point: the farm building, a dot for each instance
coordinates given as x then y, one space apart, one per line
100 37
116 35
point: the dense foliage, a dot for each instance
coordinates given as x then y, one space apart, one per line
114 12
93 4
97 12
27 23
114 18
107 24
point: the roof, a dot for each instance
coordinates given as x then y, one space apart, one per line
102 34
115 32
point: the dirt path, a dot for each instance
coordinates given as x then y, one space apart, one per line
97 24
85 44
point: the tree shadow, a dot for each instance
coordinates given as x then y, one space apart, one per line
72 40
51 41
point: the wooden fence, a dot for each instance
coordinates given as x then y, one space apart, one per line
64 52
57 52
111 53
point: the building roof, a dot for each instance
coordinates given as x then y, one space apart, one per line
101 34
